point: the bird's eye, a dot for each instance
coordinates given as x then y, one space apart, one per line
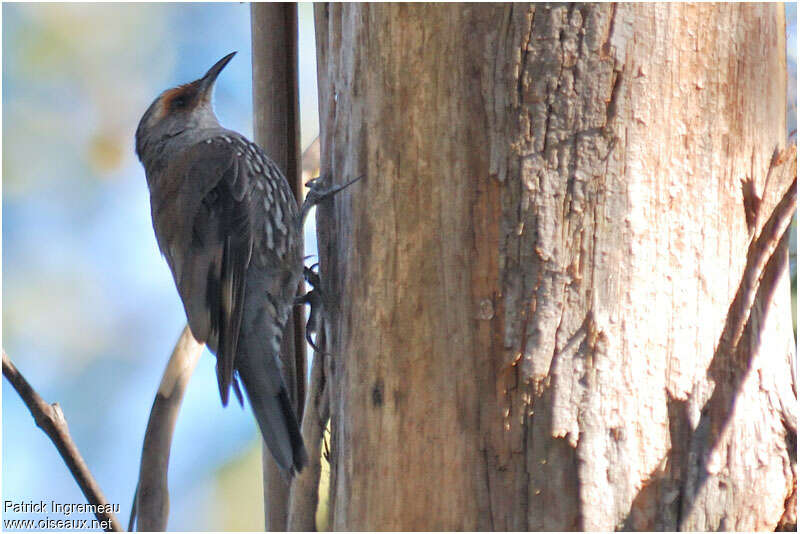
179 102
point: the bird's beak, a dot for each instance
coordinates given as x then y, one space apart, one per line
207 81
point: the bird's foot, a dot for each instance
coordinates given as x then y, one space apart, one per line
319 190
314 299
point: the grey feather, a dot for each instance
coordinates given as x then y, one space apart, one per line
227 223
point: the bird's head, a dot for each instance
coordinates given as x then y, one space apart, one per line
179 109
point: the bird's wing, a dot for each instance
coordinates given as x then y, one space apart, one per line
214 273
215 200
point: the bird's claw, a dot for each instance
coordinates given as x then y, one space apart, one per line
319 190
314 299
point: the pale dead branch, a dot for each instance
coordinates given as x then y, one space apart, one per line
152 494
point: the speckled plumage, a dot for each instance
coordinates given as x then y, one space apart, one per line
227 224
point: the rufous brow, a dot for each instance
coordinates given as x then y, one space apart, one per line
171 94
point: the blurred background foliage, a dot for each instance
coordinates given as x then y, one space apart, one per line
90 313
791 125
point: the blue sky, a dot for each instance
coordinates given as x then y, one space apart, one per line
90 312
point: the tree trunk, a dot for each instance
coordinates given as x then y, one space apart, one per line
276 126
534 295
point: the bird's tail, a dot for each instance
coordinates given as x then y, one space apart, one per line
275 416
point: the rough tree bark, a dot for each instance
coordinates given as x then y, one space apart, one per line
531 294
276 125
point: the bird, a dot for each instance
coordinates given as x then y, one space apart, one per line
229 228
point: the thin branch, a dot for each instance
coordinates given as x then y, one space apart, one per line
766 261
50 419
305 488
759 252
152 493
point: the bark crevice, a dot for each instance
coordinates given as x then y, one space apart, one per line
580 202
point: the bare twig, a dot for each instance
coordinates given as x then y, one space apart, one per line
760 251
152 493
50 419
782 169
305 488
766 259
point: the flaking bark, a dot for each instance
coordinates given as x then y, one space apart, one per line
528 289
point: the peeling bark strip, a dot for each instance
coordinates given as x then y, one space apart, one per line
529 286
